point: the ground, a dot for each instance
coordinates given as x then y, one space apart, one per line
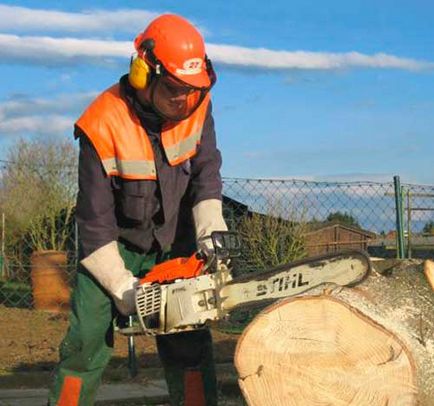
30 339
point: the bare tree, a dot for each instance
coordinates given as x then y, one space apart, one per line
38 187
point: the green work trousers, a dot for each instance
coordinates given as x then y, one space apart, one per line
88 344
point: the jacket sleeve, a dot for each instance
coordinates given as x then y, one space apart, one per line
95 211
206 180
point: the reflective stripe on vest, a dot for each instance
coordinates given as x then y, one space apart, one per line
180 140
115 166
179 152
122 143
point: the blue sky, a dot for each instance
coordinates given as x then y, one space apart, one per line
336 90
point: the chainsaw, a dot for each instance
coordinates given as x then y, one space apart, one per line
185 294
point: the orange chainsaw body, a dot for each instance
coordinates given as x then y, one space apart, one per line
177 268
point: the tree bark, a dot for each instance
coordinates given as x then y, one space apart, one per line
370 345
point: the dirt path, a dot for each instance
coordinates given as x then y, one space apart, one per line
30 339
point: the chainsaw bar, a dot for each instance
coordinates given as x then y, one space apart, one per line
188 304
346 268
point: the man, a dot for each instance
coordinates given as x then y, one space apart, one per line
147 153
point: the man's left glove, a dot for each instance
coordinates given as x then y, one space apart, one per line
208 217
107 266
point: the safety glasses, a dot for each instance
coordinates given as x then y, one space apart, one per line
172 98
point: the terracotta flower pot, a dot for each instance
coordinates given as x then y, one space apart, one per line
51 291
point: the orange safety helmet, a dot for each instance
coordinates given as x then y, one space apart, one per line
174 51
180 48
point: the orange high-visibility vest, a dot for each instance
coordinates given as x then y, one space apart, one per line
122 143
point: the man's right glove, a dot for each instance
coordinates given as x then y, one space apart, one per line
107 266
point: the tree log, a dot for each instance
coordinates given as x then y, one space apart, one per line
428 269
366 346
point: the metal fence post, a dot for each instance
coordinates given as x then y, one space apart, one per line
399 222
2 255
132 361
76 243
409 236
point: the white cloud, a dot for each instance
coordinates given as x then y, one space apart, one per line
50 125
48 50
270 59
63 103
16 19
52 51
22 115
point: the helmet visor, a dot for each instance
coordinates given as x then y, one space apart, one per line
174 100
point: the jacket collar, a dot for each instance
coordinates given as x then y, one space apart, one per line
147 116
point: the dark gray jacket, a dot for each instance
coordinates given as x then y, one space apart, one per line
144 214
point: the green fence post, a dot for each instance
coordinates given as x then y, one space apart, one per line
409 236
399 216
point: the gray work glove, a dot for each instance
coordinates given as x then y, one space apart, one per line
107 266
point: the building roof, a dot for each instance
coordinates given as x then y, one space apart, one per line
321 226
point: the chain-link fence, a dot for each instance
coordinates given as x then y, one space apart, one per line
370 204
28 274
321 217
279 220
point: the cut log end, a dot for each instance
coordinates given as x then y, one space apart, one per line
428 269
319 350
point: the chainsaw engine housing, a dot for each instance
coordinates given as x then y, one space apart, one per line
180 306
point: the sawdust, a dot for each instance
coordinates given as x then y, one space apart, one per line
403 303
